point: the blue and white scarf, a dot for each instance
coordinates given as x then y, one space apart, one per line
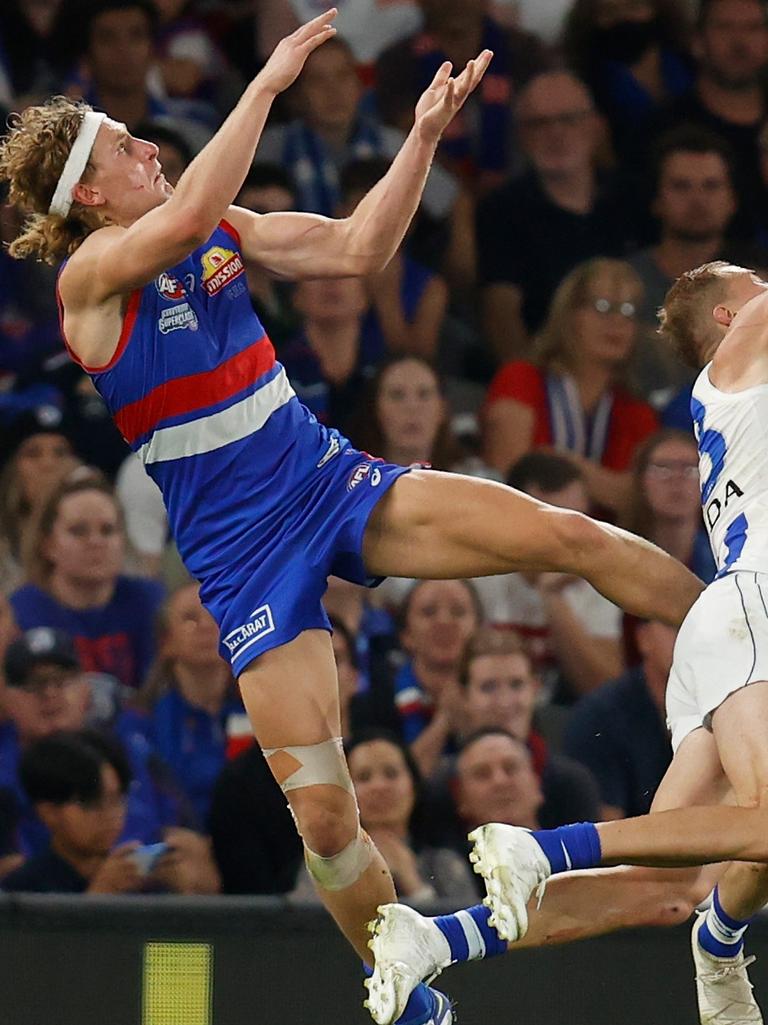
571 428
313 169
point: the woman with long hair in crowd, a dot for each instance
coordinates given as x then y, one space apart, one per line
37 455
405 417
665 500
572 395
189 694
73 559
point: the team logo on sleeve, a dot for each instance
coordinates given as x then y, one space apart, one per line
169 287
220 266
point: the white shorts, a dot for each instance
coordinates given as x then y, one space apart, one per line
722 646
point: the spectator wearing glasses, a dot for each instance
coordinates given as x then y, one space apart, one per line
665 506
46 693
534 229
572 396
665 501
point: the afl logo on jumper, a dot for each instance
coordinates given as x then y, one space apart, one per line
220 266
169 287
358 475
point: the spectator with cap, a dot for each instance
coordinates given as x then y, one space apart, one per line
573 633
574 393
38 454
73 563
533 230
190 694
78 783
47 692
619 732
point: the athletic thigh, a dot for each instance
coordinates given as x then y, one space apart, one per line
740 730
291 692
436 525
694 777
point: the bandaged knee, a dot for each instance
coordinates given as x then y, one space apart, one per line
318 765
342 869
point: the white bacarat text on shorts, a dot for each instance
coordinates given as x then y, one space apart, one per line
258 624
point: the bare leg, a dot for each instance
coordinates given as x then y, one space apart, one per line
583 904
437 525
291 694
740 727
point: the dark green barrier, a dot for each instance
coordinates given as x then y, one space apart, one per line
234 961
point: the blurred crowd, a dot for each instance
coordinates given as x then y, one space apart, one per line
614 144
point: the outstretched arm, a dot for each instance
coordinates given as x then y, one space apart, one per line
122 259
296 245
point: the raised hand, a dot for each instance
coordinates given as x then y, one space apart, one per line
287 59
442 100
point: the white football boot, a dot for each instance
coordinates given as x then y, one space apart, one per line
514 867
723 989
407 949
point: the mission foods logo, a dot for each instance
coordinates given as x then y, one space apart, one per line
220 266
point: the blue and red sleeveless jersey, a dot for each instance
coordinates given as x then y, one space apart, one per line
196 391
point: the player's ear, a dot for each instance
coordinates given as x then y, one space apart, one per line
723 315
87 195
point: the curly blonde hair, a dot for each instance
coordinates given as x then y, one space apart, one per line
32 157
685 319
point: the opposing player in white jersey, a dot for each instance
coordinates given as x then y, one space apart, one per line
716 317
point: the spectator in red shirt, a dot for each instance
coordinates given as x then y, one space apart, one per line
571 396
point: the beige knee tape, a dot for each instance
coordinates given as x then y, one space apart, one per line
344 868
311 765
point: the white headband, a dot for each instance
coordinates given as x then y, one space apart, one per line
76 163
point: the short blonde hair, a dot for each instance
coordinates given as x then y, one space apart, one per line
685 319
32 157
